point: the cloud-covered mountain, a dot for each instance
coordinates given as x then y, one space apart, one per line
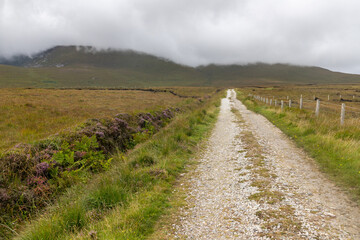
84 66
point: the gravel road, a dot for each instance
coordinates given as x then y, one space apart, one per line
252 182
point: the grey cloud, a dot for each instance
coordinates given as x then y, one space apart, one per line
307 32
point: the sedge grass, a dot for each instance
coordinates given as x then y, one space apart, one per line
126 201
335 148
27 115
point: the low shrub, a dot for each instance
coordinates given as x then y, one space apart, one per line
32 175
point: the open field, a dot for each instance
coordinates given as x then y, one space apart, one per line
26 191
335 147
31 114
328 94
214 75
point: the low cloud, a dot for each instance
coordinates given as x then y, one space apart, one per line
322 33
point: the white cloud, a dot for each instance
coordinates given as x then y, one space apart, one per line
308 32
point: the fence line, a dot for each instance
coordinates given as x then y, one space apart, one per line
316 108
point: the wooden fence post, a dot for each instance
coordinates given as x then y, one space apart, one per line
328 97
275 103
317 110
290 103
301 102
342 116
282 105
270 101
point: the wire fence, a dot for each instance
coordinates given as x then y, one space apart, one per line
324 107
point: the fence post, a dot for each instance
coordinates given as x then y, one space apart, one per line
270 101
290 103
328 97
282 105
275 103
342 116
301 102
317 110
287 97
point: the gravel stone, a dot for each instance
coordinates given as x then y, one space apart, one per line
218 206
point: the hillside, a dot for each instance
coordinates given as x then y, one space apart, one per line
274 73
72 66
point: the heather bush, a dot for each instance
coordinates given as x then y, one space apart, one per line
31 175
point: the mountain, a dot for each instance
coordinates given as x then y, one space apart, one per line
71 66
261 73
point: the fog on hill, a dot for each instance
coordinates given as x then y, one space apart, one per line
314 33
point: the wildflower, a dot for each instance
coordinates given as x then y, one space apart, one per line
42 168
121 122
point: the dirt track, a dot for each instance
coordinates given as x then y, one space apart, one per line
252 182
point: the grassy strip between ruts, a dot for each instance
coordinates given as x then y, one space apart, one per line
336 155
126 201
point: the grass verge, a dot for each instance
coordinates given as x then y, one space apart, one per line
335 148
126 201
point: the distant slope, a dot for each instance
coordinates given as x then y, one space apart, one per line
84 67
70 66
261 73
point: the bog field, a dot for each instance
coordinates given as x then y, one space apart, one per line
27 115
56 139
331 137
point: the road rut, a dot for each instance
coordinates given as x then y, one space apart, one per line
252 182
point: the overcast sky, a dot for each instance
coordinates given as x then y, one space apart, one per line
307 32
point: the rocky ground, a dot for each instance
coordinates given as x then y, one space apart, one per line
252 182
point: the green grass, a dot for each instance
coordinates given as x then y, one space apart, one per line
335 148
126 201
134 69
